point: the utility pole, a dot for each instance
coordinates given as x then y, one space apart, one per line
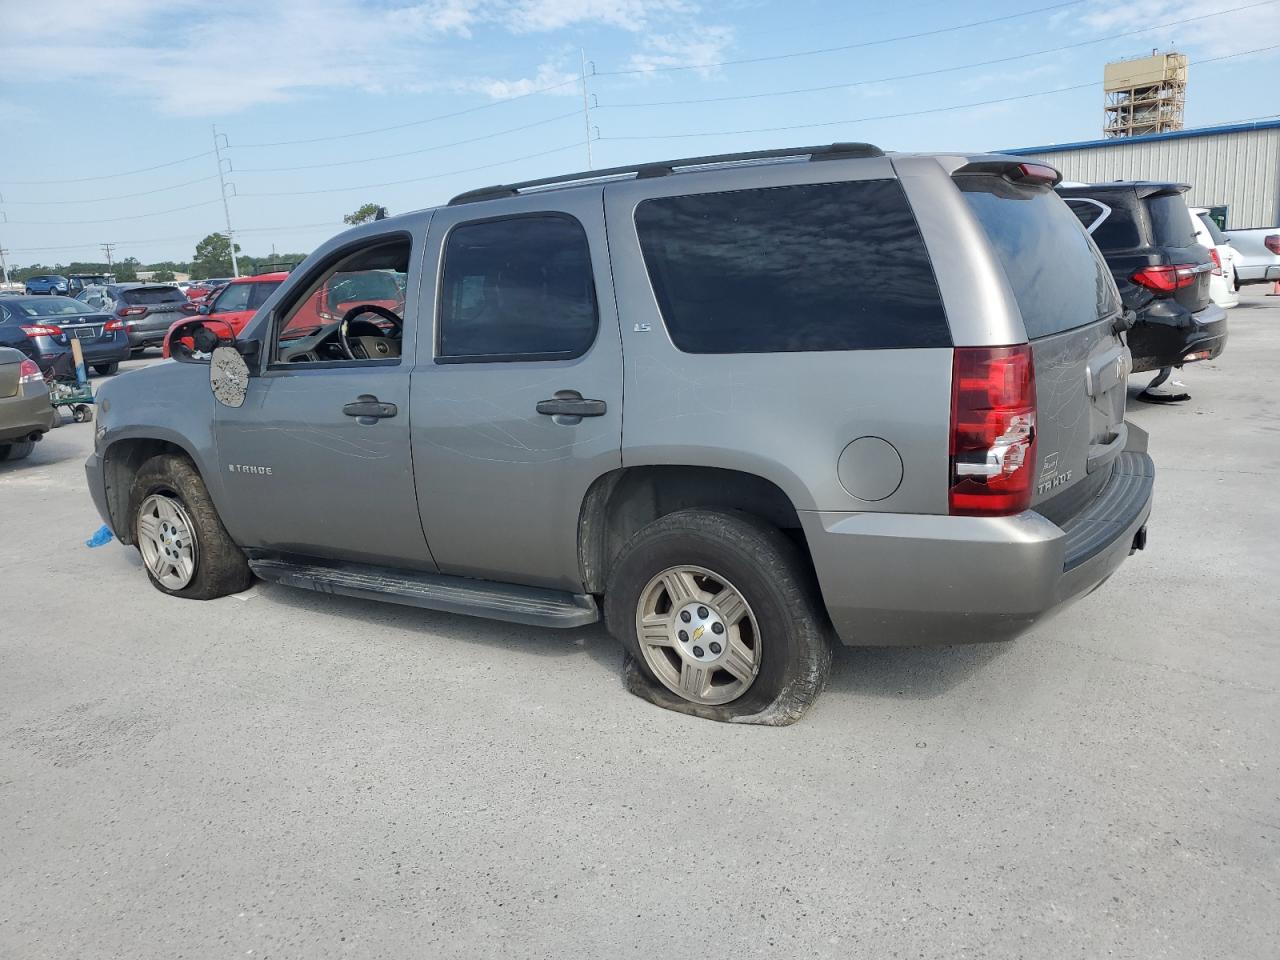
586 115
226 207
4 265
106 248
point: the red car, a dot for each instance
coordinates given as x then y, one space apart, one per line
240 299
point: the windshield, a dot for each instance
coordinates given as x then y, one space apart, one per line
52 307
1058 277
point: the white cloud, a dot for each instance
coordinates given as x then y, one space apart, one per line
696 45
548 75
189 57
1209 36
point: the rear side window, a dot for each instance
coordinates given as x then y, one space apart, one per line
827 266
1113 232
141 296
1058 277
519 288
1171 221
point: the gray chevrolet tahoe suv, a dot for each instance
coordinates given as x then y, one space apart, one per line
686 395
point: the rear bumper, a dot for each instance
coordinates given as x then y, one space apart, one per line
20 417
1164 337
898 579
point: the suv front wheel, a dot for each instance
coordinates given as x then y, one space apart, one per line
185 549
721 616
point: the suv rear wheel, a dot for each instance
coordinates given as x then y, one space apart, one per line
185 549
16 449
719 609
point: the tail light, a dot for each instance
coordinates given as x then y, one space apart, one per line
41 330
1166 279
1217 261
113 326
1272 242
28 373
993 430
131 311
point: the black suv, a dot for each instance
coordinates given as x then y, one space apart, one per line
1144 230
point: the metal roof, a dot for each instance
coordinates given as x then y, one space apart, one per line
1148 138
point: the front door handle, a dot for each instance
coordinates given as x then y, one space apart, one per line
570 403
368 409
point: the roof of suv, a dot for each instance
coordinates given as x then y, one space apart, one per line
262 278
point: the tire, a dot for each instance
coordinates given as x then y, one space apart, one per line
106 369
82 413
785 627
17 450
218 566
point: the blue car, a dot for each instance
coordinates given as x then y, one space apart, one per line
47 284
42 328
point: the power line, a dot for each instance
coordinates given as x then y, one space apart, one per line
932 73
434 176
175 239
122 196
842 47
910 113
412 153
139 216
112 176
410 123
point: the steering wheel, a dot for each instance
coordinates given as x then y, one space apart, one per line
358 311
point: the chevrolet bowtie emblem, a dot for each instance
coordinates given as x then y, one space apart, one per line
697 633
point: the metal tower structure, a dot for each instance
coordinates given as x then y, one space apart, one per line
1144 95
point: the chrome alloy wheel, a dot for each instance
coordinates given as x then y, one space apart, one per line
166 537
698 635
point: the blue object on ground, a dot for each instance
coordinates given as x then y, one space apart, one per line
101 538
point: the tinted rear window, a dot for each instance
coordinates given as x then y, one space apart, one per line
828 266
1058 277
144 295
1219 238
1171 221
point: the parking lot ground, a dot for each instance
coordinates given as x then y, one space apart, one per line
287 774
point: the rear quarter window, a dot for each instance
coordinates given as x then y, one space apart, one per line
808 267
1057 275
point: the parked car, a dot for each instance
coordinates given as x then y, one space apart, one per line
25 412
78 281
42 328
1259 250
236 302
803 451
46 284
1144 230
1223 286
202 289
145 309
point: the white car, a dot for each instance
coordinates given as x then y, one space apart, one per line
1259 250
1223 288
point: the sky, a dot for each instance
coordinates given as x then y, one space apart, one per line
109 106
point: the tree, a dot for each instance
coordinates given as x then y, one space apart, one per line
366 213
162 275
213 257
127 269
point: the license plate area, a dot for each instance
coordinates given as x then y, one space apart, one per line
86 333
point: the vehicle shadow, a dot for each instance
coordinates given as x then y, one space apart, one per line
915 672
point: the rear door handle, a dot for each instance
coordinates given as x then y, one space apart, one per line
570 403
368 409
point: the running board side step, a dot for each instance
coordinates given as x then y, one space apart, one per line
477 598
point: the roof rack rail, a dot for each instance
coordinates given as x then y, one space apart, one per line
642 171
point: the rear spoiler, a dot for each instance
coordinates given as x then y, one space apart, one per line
1162 190
1015 171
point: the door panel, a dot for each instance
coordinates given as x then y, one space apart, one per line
500 485
307 476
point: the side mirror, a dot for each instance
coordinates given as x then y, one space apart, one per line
192 341
203 308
